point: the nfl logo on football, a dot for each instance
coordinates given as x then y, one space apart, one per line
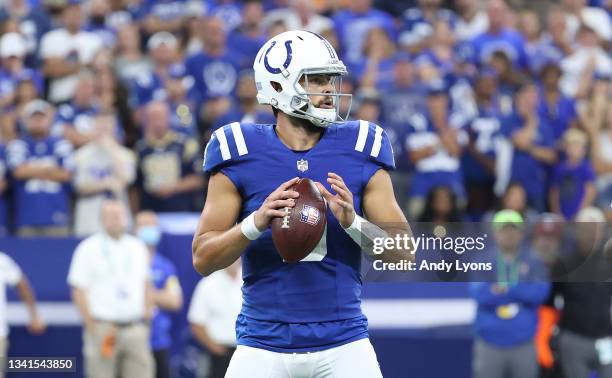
309 215
302 165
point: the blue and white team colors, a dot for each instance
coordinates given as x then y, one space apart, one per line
314 304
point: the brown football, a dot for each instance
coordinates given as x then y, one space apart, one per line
299 232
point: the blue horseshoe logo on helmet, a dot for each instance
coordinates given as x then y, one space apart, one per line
276 70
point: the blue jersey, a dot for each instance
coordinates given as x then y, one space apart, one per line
528 171
439 169
352 29
246 47
163 273
41 202
559 115
314 304
509 41
79 118
165 10
147 86
482 130
214 76
417 26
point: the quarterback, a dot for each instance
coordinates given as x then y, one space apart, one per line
302 319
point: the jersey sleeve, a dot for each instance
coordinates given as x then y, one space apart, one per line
373 145
228 146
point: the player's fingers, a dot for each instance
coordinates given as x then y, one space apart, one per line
284 194
335 175
275 213
278 204
343 187
344 195
287 184
326 194
339 183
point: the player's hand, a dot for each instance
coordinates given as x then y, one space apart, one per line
340 204
279 199
37 326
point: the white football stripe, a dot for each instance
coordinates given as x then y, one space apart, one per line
363 135
225 152
377 141
239 139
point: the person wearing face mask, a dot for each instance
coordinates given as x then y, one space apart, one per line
167 293
109 277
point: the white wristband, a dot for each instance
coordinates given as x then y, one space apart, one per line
248 228
354 230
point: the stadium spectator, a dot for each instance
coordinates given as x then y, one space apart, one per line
129 60
588 62
500 37
248 37
555 44
41 167
25 92
352 25
103 169
12 52
509 80
32 22
573 180
478 159
162 16
65 51
109 278
515 198
580 304
12 276
168 165
546 241
529 26
533 141
214 307
183 114
419 23
228 11
148 86
167 293
245 108
74 120
299 15
599 127
196 13
506 317
577 12
471 21
441 207
557 109
379 52
435 154
215 72
97 18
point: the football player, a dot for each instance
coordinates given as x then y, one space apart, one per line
302 319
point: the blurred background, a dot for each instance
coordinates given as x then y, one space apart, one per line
489 105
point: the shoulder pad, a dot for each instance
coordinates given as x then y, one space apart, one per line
372 142
227 145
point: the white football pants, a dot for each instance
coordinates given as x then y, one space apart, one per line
352 360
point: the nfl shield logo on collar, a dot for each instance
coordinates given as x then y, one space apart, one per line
302 165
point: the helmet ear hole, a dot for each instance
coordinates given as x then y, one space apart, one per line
277 86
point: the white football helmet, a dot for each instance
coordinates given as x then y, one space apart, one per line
284 59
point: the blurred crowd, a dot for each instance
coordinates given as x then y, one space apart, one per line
486 103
